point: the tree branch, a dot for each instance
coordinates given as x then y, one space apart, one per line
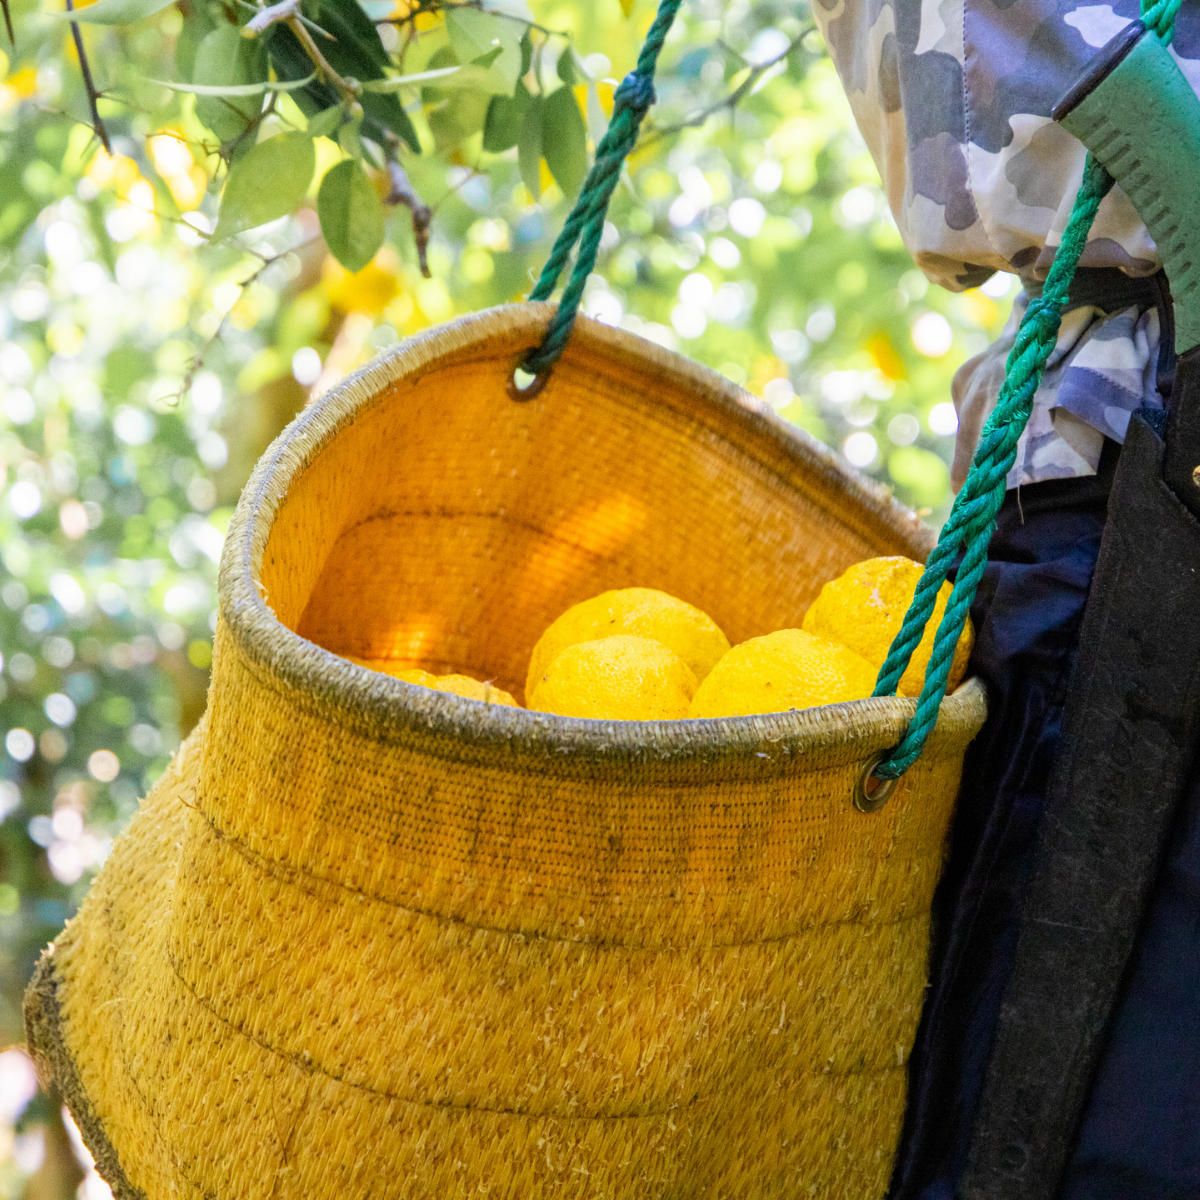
288 13
739 93
198 358
402 192
98 126
271 15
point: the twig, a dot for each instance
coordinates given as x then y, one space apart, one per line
286 10
739 93
98 126
198 358
402 192
347 89
266 17
8 22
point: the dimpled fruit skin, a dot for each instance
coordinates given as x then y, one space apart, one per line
783 670
619 678
472 689
459 685
414 675
864 608
638 612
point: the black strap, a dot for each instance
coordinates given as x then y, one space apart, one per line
1130 734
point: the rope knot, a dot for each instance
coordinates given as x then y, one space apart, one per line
635 92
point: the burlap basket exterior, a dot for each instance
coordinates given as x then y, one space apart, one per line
369 940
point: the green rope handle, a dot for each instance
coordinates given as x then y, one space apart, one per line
972 518
631 101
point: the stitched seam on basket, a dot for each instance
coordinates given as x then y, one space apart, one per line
467 514
305 1062
162 1141
71 1086
770 472
823 739
265 864
897 522
783 440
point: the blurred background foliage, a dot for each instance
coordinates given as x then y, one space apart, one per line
146 364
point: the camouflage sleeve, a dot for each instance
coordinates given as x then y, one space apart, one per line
954 99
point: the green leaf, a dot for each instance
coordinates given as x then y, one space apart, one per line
355 36
472 32
529 147
356 53
395 82
564 140
195 29
505 116
471 78
325 123
350 139
234 89
114 12
351 215
488 40
566 67
225 59
269 181
457 118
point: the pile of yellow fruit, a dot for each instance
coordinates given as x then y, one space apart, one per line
640 655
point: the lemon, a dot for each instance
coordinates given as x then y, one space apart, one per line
459 685
415 675
618 678
637 612
864 608
472 689
783 670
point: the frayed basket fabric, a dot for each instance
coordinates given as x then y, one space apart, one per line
369 940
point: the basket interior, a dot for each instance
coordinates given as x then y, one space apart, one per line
444 525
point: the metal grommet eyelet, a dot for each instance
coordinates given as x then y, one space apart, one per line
523 386
870 792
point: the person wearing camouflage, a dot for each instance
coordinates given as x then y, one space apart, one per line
954 102
953 99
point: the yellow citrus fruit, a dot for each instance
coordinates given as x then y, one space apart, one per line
618 678
408 674
370 290
864 608
636 612
415 675
459 685
783 670
473 689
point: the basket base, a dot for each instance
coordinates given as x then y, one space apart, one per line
55 1065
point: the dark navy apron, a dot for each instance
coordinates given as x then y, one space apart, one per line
984 1117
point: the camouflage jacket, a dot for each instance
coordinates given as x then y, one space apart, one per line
954 100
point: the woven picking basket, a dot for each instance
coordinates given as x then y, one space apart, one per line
364 939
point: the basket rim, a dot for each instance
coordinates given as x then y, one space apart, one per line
372 701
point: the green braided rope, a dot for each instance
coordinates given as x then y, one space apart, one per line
631 102
1160 17
973 516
